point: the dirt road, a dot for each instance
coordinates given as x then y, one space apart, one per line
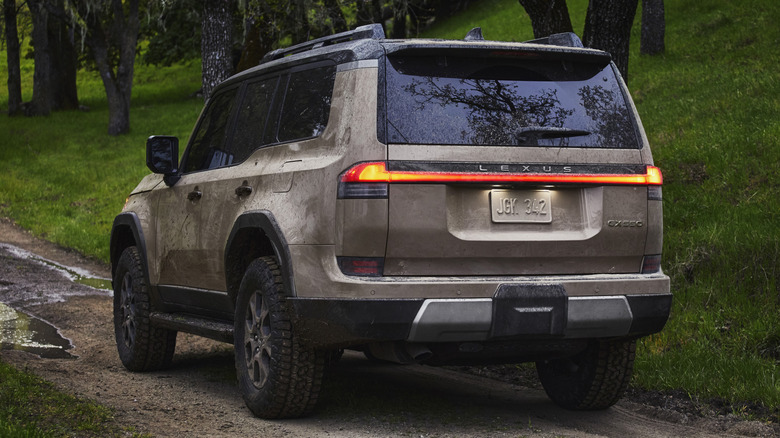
198 395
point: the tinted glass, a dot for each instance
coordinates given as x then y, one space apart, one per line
306 103
507 102
208 145
252 117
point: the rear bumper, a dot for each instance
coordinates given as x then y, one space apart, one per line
516 312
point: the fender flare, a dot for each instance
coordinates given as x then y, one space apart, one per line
128 220
264 221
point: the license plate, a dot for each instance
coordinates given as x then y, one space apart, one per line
520 206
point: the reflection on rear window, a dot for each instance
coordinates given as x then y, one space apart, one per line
444 100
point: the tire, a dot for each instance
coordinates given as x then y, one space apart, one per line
278 376
593 379
141 346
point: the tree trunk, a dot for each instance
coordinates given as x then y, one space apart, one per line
63 59
608 27
547 16
41 104
400 11
653 27
338 22
370 11
299 21
121 21
12 55
216 43
257 42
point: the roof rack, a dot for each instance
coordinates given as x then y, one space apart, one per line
369 31
568 39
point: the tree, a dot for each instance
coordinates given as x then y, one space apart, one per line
400 11
62 56
54 79
298 21
13 58
111 34
263 29
370 11
608 27
216 43
336 15
173 33
607 24
41 104
547 16
653 27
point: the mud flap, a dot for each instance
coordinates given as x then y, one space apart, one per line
532 310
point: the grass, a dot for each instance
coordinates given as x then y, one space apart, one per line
709 105
31 407
65 179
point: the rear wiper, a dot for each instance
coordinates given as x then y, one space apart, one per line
524 135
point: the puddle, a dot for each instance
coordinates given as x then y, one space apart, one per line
19 287
20 331
77 275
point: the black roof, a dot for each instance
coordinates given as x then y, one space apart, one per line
368 42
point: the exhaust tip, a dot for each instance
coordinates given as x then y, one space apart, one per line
400 352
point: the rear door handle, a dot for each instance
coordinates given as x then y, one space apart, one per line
244 189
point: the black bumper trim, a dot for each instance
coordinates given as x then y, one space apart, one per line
650 313
335 322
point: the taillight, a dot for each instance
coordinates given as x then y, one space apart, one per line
655 193
348 190
370 180
362 266
651 264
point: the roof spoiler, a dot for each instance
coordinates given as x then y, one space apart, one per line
369 31
567 39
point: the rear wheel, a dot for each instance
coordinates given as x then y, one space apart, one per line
278 376
593 379
141 346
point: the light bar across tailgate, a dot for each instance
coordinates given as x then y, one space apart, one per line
371 179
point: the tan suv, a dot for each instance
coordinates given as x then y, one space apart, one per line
423 201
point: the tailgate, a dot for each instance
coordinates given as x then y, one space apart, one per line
515 229
521 163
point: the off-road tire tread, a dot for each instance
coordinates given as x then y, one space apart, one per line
296 370
594 379
154 346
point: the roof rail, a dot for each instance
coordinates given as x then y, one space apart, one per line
369 31
568 39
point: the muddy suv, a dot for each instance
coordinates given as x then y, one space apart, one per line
439 202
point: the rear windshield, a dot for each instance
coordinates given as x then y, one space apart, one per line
450 100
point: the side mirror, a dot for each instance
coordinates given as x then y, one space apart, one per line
162 156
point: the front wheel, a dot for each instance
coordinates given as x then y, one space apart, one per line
593 379
141 345
278 376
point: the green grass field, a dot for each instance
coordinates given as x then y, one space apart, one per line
32 408
710 107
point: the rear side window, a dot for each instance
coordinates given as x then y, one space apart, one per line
306 107
252 117
207 148
447 100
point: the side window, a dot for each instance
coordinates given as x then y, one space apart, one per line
252 116
307 103
207 148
